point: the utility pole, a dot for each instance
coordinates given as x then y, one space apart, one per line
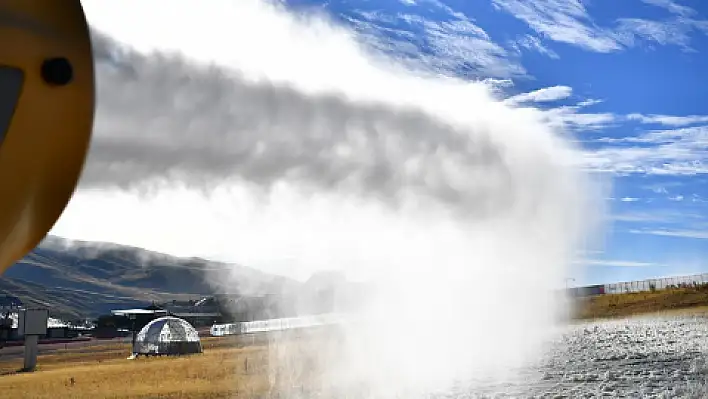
567 289
566 282
132 318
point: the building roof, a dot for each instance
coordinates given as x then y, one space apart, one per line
196 314
126 312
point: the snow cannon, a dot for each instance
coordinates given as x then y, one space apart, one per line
46 117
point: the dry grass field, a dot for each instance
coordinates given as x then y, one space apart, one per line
228 368
693 300
247 366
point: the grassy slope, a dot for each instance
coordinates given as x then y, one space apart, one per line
629 304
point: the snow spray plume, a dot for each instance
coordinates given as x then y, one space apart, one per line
493 206
204 124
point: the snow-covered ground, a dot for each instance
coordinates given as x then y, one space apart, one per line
635 358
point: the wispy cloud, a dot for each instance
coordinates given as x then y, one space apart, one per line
658 189
676 31
697 234
629 199
615 263
663 188
498 86
533 43
545 94
568 21
669 120
660 152
571 117
565 21
639 217
589 102
449 43
672 7
663 216
698 198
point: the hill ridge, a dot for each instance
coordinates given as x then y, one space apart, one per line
83 279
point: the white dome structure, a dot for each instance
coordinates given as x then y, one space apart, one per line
167 336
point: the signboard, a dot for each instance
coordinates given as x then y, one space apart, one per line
32 322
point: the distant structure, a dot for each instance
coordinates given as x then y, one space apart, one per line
202 312
140 317
655 284
9 306
584 292
167 336
290 323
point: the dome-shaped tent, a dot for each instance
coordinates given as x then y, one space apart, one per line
167 336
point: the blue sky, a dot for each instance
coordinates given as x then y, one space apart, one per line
624 77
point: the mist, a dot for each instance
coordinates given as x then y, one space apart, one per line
201 125
316 154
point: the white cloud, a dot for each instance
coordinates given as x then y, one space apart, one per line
452 42
672 7
675 32
662 152
672 216
533 43
545 94
676 198
500 83
629 199
565 21
568 21
498 86
696 136
589 102
697 234
669 120
615 263
659 189
569 117
565 117
640 217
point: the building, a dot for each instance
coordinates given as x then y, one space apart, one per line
138 318
9 306
199 313
584 292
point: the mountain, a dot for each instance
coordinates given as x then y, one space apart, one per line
85 279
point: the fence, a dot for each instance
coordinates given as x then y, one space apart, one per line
642 285
249 327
